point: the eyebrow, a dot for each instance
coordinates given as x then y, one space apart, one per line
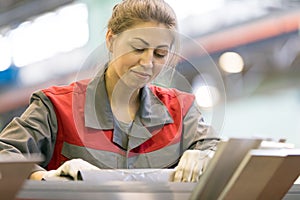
146 43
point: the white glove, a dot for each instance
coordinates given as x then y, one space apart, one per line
69 170
191 165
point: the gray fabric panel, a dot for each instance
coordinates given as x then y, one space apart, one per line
157 159
34 132
195 129
162 158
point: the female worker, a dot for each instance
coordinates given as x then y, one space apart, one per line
118 119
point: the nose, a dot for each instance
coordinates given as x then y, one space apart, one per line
147 58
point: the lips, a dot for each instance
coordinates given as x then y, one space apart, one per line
141 74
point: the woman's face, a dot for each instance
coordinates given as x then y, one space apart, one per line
140 53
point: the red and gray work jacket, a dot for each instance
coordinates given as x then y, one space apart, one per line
88 129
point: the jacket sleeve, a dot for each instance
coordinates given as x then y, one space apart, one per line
196 133
34 131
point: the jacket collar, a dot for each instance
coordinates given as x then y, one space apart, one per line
98 113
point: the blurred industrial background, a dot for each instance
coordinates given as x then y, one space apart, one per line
253 44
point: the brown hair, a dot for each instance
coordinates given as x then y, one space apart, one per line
130 12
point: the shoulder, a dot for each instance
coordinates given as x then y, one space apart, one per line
170 92
74 87
173 97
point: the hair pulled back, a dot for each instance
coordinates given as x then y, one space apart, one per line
131 12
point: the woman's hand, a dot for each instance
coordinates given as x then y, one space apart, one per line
67 171
191 165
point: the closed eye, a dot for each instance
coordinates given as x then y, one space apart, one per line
161 53
139 50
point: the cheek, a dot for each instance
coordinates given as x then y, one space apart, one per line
129 59
157 69
125 62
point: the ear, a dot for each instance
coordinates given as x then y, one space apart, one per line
109 40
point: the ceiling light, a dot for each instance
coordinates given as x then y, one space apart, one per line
231 62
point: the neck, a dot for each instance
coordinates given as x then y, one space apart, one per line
124 100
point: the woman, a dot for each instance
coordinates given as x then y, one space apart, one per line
118 119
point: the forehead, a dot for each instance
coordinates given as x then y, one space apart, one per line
154 34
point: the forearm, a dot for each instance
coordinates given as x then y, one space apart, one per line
32 133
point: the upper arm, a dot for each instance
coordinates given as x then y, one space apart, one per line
34 131
196 133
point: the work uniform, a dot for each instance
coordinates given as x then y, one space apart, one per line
76 121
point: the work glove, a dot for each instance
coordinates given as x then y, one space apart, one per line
69 170
191 165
